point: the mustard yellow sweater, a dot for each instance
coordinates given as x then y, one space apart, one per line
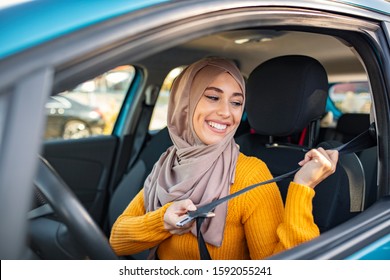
257 223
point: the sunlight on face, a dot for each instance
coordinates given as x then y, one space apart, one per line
219 110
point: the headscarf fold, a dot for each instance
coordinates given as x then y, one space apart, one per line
190 168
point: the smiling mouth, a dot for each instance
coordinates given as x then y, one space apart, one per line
217 126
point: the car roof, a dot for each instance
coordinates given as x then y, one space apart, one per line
31 23
379 6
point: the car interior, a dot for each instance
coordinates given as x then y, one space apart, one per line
295 66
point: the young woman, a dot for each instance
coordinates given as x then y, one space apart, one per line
204 164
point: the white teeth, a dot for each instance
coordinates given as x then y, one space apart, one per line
217 125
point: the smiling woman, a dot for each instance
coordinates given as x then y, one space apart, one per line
219 110
204 165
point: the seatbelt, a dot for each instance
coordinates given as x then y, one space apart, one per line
363 141
40 211
151 94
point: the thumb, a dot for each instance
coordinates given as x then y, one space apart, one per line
191 207
188 205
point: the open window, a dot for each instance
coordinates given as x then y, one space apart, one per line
91 108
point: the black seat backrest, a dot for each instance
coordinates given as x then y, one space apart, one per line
133 181
286 95
351 125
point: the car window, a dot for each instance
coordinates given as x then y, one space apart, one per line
91 108
159 116
349 97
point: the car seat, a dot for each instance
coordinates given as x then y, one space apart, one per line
350 125
133 180
285 96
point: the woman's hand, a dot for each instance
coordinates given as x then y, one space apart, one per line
317 165
175 213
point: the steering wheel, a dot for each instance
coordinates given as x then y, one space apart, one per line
72 213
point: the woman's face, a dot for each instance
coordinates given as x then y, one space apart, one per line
219 109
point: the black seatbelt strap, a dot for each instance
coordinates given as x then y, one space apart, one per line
204 253
363 141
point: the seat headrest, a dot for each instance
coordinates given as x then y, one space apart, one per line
353 123
284 94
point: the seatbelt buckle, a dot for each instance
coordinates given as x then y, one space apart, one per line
185 221
191 215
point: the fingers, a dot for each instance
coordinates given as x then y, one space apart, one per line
177 212
317 165
180 231
333 155
326 157
210 215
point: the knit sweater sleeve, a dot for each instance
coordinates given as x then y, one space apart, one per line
269 226
298 223
135 231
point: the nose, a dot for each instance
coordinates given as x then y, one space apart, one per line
224 109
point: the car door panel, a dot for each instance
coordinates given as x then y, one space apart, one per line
85 165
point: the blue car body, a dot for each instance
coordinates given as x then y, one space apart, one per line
60 18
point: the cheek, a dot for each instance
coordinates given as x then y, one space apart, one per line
198 117
197 122
237 115
200 111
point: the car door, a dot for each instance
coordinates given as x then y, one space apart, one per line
81 142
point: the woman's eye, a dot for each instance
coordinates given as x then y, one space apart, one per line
212 97
237 104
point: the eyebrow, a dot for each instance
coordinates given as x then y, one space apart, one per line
221 91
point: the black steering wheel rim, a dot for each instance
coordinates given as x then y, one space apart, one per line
72 213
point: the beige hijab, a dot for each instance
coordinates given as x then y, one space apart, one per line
191 169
